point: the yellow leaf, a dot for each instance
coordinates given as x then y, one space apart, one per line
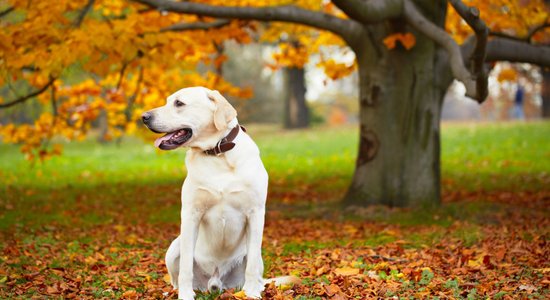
346 271
131 239
240 295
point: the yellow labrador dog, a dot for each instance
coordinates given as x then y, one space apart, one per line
223 197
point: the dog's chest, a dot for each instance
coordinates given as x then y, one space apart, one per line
219 176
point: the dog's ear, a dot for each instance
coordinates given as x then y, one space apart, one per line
224 111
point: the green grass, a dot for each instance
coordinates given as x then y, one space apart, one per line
496 156
303 164
289 156
473 155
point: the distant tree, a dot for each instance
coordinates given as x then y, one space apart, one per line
296 44
245 66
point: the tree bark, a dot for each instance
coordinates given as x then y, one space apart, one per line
545 93
400 107
296 109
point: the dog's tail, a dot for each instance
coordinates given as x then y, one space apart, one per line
283 280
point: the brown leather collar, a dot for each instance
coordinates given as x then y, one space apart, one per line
226 143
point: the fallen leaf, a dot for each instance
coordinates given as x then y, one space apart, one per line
346 271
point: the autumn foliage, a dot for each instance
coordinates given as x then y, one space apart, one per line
113 59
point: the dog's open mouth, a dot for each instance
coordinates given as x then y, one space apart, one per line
174 139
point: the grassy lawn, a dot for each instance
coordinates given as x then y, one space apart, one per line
96 221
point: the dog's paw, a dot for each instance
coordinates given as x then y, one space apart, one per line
253 290
186 294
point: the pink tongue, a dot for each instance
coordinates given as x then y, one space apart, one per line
164 138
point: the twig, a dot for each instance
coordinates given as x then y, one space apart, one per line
196 25
121 75
53 100
527 38
83 13
536 29
28 96
6 11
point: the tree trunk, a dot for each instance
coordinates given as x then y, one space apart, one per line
296 110
545 93
400 108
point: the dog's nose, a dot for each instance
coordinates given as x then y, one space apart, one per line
214 288
146 117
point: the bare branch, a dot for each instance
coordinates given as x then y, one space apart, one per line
372 11
527 38
471 16
536 29
121 74
503 49
197 25
6 11
286 13
418 21
28 96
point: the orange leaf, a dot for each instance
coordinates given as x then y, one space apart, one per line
507 75
406 39
390 40
346 271
332 289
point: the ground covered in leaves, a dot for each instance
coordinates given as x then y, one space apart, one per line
107 240
499 251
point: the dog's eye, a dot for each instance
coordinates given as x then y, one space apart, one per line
178 103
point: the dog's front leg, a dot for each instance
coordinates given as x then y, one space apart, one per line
189 230
254 283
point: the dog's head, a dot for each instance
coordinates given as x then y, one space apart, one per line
192 117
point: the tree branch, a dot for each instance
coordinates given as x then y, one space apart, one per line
418 21
6 11
28 96
287 13
78 21
515 51
471 16
196 25
372 11
53 100
527 38
536 29
121 74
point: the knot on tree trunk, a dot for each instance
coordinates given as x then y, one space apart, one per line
368 146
